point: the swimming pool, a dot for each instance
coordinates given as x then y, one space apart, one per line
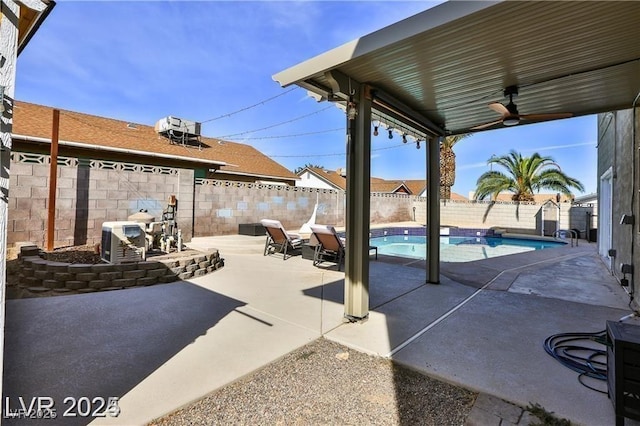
457 248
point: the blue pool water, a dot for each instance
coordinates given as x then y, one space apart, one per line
458 249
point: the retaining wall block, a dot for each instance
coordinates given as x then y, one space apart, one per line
177 270
78 268
212 255
86 290
201 258
75 285
204 264
199 272
124 282
39 264
100 284
103 267
186 261
146 265
32 282
52 283
134 274
57 267
167 278
185 275
127 266
156 272
192 268
27 272
63 276
146 281
110 275
171 263
43 275
86 276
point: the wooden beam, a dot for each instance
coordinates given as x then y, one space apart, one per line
53 180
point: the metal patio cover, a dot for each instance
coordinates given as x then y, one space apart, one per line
447 63
436 72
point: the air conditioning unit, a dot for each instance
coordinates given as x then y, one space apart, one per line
176 127
123 242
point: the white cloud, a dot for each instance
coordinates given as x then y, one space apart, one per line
555 147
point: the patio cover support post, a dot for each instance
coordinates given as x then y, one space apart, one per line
433 210
356 280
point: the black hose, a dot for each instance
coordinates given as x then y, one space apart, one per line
581 358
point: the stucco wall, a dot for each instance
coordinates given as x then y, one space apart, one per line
616 151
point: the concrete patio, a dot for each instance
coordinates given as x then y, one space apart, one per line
161 347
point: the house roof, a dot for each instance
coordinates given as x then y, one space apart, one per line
331 177
447 63
76 129
335 179
537 198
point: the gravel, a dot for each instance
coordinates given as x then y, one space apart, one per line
324 383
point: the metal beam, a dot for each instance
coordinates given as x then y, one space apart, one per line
356 282
393 106
433 210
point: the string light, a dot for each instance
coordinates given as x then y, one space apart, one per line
390 132
247 108
404 138
417 144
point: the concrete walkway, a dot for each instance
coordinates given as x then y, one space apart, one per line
161 347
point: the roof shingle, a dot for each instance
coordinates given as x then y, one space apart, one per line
36 121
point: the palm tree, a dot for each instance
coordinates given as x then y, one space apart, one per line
524 176
448 164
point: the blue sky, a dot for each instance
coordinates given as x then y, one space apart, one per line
141 61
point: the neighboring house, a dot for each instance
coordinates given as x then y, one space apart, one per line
90 136
109 169
587 199
315 177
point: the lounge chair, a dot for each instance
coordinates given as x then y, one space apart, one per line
279 240
330 245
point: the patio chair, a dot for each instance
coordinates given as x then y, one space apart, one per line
279 240
330 245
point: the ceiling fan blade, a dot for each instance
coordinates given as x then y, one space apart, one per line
499 108
485 125
549 116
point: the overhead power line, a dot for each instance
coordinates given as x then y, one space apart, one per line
295 135
275 125
249 107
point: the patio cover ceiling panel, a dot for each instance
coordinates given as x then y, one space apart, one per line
449 62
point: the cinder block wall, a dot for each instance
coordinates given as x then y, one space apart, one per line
220 206
89 192
519 218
